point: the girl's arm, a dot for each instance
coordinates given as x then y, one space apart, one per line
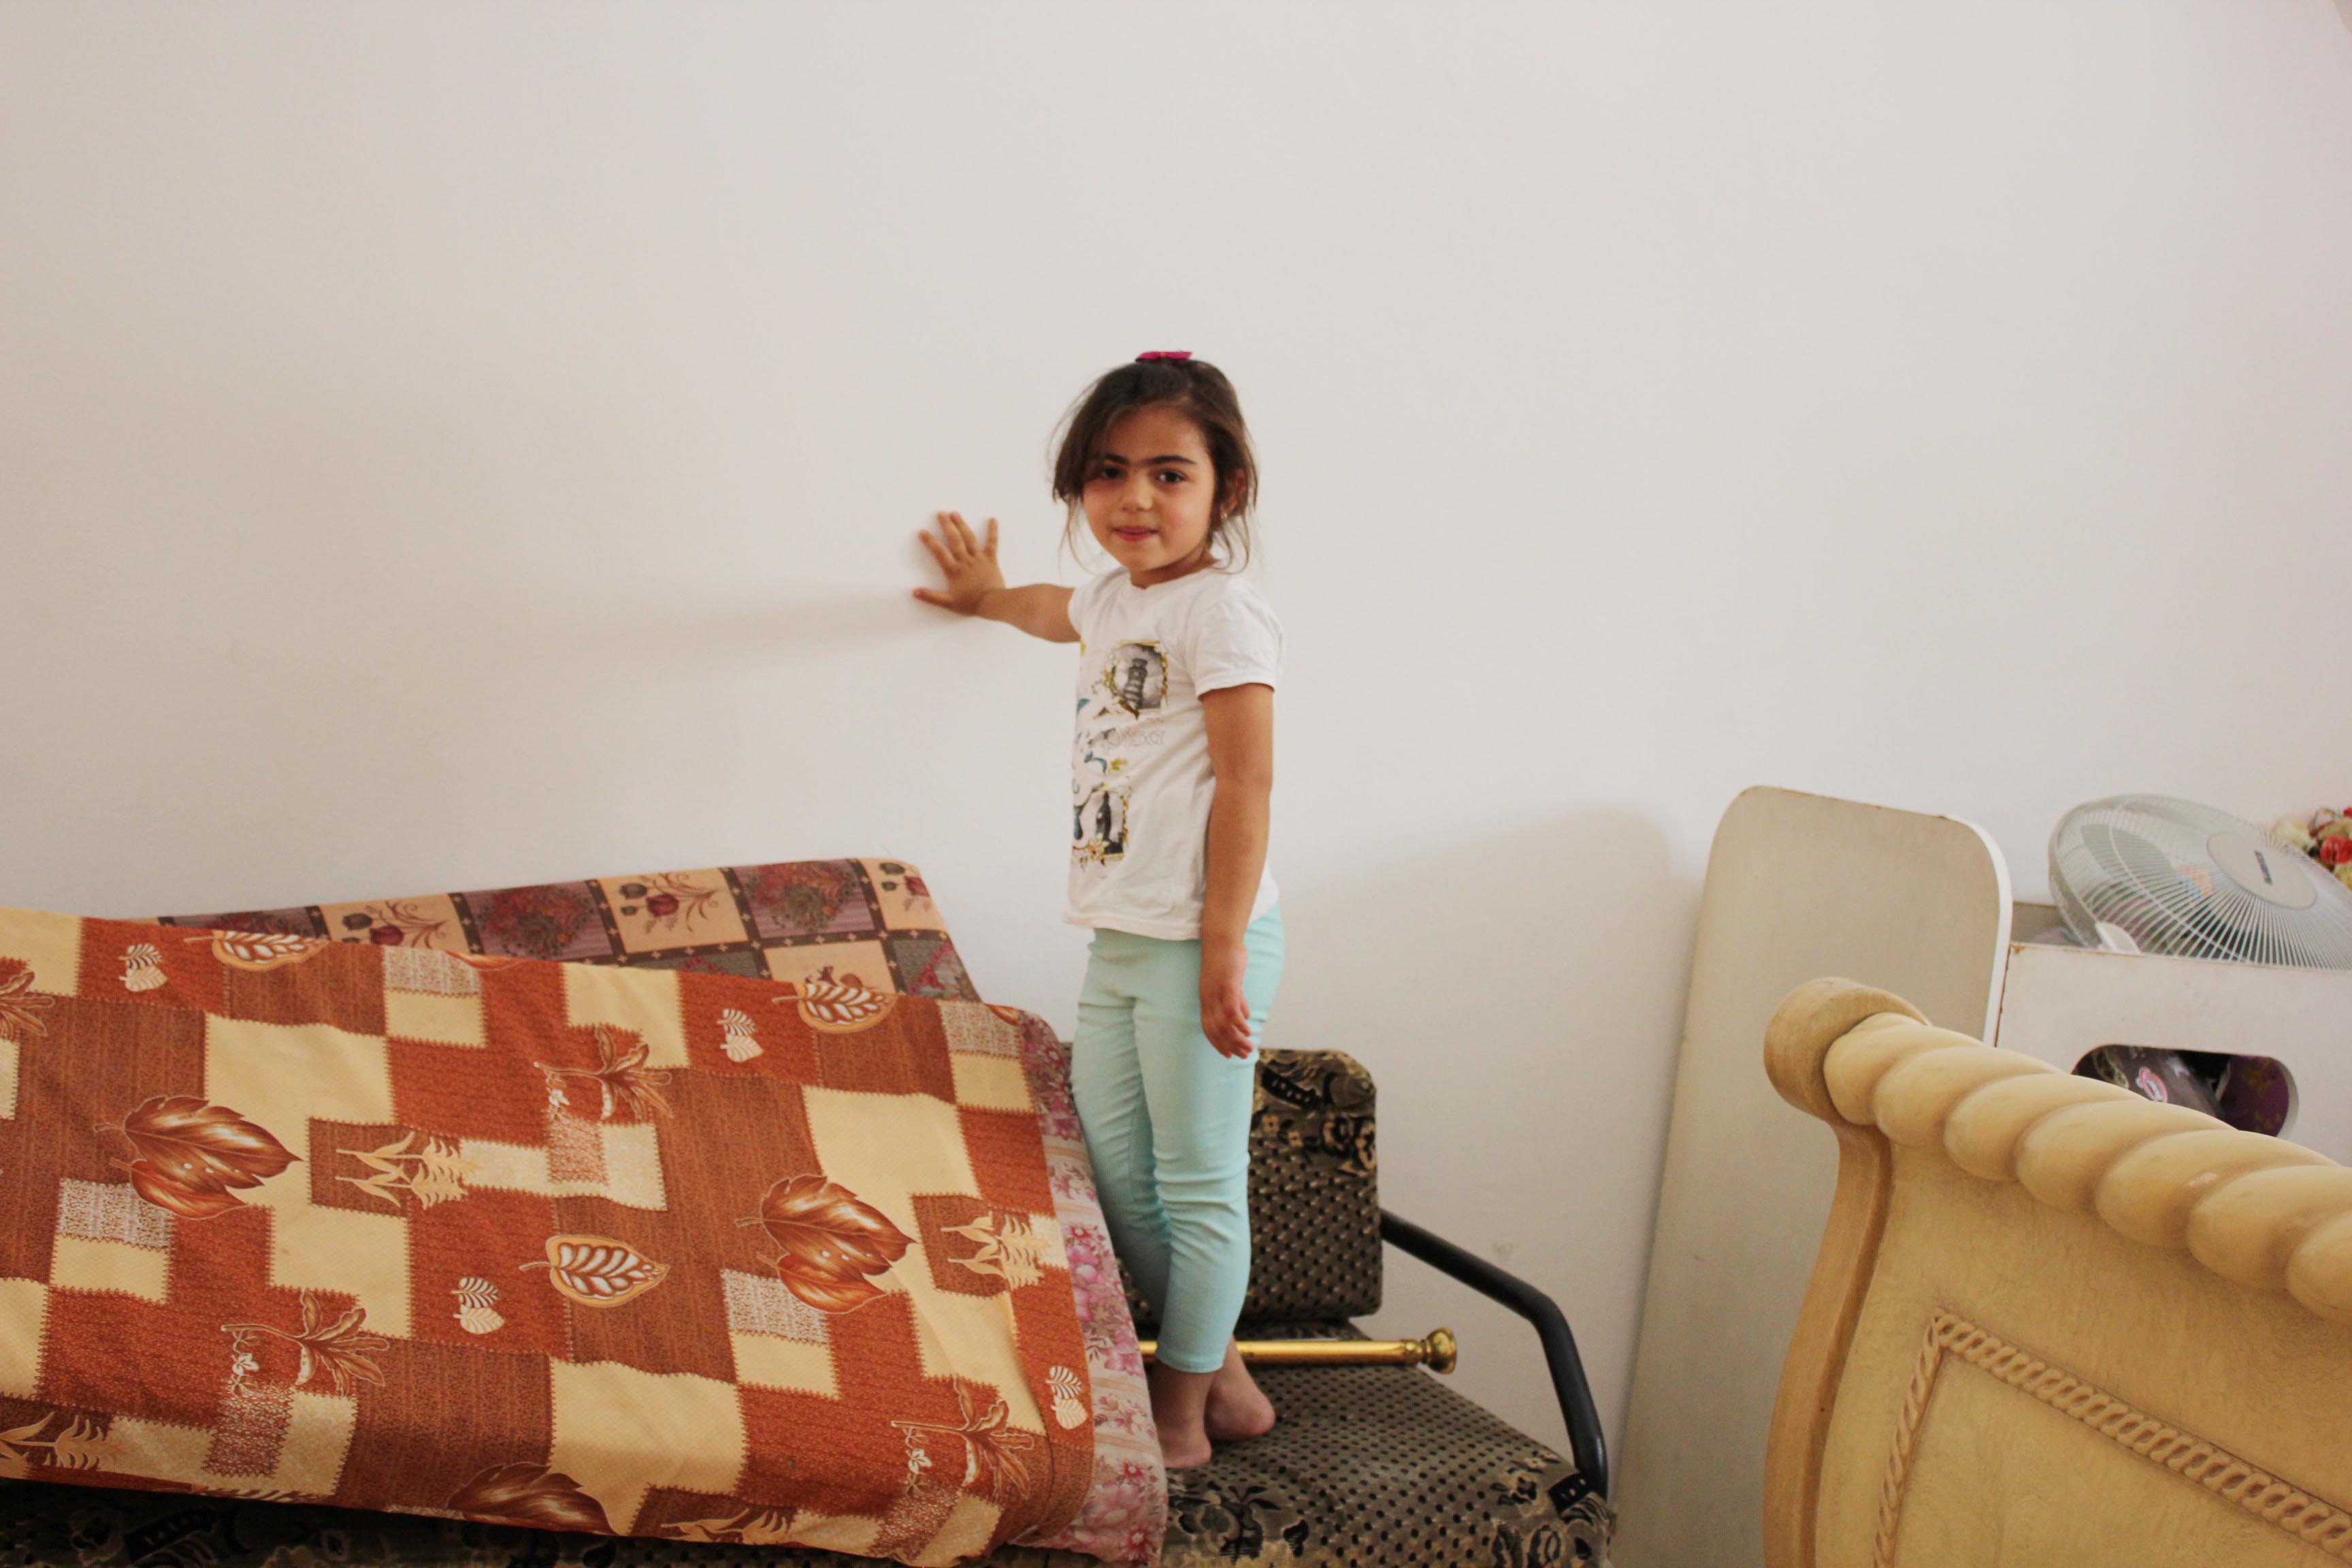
1240 721
975 587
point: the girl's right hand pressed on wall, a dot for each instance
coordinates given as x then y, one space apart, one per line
969 565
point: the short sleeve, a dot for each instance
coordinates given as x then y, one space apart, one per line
1087 601
1238 641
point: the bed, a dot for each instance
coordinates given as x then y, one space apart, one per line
2050 1321
1372 1464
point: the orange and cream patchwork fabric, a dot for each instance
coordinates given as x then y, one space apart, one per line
638 1250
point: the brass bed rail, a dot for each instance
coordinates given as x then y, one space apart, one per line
1435 1351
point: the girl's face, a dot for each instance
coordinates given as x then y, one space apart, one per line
1152 494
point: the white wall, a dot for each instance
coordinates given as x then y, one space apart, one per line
449 444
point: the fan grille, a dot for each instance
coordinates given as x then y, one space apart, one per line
2143 863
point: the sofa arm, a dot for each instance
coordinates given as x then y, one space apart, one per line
1575 1395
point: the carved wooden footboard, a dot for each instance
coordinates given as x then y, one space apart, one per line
2051 1322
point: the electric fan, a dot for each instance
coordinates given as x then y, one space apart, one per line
2139 873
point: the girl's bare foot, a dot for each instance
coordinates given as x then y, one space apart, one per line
1237 1408
1177 1400
1180 1458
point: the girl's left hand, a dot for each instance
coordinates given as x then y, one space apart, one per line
1225 1010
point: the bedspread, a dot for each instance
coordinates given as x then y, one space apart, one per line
655 1252
871 922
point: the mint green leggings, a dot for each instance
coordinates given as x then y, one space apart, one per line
1166 1119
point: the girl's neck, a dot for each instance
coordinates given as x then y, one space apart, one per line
1198 562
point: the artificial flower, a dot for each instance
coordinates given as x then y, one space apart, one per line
2293 833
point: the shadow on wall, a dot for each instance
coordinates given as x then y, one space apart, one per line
1518 1000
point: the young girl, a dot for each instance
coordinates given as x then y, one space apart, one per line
1173 767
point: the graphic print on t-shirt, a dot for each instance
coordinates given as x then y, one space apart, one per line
1101 826
1136 676
1133 682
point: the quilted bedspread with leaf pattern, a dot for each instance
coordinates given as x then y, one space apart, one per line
702 1256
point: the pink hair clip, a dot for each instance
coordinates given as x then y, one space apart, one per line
1164 353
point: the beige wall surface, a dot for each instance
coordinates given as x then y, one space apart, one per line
456 444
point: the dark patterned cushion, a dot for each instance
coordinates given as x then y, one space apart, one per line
1313 1193
1381 1467
1315 1205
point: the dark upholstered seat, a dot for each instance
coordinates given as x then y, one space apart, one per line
1381 1465
1368 1466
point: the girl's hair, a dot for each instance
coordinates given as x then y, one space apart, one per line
1193 387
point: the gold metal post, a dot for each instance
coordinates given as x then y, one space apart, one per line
1435 1351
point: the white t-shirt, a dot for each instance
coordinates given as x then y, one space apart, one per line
1140 777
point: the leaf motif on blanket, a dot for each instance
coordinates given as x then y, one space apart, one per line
742 1040
598 1271
77 1445
995 1452
432 1173
20 1005
623 1082
1069 1396
749 1527
477 1312
838 1006
340 1350
261 948
188 1203
143 967
192 1152
1010 1248
529 1494
832 1240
